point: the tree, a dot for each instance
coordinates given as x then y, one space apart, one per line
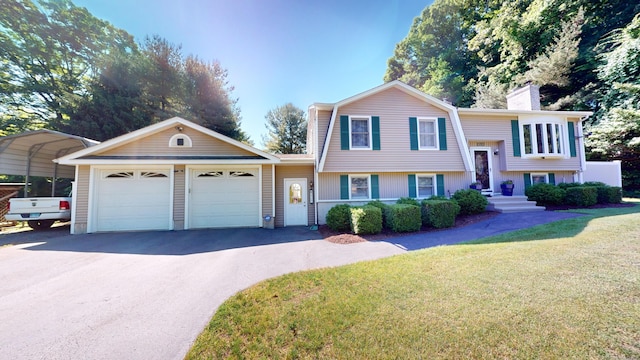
48 50
207 97
617 135
287 130
116 103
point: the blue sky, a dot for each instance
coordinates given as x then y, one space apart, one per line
276 51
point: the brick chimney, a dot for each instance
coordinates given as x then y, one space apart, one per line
524 98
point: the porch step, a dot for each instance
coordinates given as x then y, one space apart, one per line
511 204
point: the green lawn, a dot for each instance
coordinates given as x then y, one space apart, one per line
568 290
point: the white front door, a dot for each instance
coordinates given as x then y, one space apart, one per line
295 202
483 165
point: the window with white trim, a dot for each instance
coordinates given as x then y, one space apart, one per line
180 140
425 186
428 134
543 138
540 178
360 132
360 188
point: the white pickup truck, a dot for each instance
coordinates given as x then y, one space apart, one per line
40 212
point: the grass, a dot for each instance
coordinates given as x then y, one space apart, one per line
567 290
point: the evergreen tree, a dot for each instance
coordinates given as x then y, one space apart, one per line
287 130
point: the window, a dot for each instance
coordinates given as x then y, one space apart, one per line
152 174
121 175
543 138
295 194
428 133
360 130
426 186
359 185
539 178
180 140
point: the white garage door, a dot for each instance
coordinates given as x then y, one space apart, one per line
224 198
133 200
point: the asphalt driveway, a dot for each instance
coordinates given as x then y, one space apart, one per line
147 295
144 295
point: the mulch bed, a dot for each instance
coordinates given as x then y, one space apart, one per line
348 238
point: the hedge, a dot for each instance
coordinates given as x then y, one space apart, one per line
403 218
582 196
439 213
470 201
547 194
366 219
338 218
382 206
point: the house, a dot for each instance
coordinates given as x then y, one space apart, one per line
388 142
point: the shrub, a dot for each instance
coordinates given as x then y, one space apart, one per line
338 218
439 213
470 201
568 185
408 201
382 206
546 194
614 195
403 218
438 197
366 220
582 196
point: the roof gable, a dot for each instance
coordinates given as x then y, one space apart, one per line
138 145
410 91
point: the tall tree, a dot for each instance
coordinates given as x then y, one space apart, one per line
164 77
115 103
617 135
287 130
48 49
208 98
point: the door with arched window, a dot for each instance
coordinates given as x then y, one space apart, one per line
295 202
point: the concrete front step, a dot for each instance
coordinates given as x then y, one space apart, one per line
511 204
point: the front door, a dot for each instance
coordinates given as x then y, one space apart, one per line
483 166
295 202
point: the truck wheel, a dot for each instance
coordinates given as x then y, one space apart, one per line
40 224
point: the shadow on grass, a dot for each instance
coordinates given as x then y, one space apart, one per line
566 228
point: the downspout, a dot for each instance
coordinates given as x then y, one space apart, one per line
583 156
315 171
273 194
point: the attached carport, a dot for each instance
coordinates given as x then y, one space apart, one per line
31 154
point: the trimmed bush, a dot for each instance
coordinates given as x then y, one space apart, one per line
338 218
546 194
383 207
366 219
568 185
408 201
470 201
403 218
439 213
614 195
582 196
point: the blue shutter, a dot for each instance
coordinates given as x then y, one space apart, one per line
412 186
515 137
552 178
375 132
375 190
344 132
413 132
527 180
572 139
442 133
440 184
344 187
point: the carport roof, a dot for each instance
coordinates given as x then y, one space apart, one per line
32 153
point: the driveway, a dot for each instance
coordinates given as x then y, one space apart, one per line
144 295
147 295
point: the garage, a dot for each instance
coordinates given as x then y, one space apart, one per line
132 199
224 197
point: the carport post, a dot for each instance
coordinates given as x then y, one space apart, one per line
53 180
26 178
